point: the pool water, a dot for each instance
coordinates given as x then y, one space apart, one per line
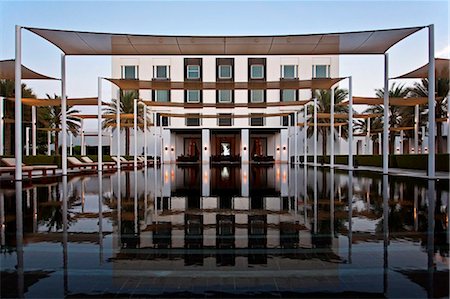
225 231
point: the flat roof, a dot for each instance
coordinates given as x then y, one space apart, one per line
96 43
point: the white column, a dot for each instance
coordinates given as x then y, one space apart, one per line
245 137
145 136
155 140
295 138
27 141
135 131
423 139
49 143
380 147
416 129
369 151
82 150
63 116
386 115
315 133
305 135
18 105
33 129
2 128
110 142
332 127
431 104
118 131
402 136
99 126
206 146
70 143
350 123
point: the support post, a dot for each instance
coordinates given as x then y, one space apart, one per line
63 116
82 150
135 132
18 105
145 136
99 128
431 105
295 138
369 152
2 128
305 135
416 129
27 141
315 132
33 129
155 139
49 143
386 115
118 131
332 127
350 123
423 139
70 143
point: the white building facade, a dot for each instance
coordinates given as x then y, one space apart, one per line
234 135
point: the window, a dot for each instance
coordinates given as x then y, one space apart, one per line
162 96
225 72
256 121
165 120
224 96
289 72
321 71
288 95
224 120
161 72
257 96
193 96
285 120
193 120
129 71
257 71
193 72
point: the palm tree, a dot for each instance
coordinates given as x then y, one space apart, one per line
323 106
126 107
397 113
420 89
50 117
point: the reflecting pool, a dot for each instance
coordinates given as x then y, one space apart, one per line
225 231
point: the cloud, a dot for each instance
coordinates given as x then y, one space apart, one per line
444 52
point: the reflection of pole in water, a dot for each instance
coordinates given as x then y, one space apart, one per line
350 210
305 192
416 206
34 209
119 207
2 218
19 240
65 234
430 235
100 216
385 186
296 178
315 199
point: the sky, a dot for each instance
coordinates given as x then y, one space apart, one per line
219 18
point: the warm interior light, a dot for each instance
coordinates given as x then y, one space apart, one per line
166 148
172 149
245 148
206 148
278 149
284 148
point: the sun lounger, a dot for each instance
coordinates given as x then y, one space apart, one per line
11 162
126 164
75 163
108 165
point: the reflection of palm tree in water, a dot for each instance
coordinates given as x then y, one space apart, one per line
129 238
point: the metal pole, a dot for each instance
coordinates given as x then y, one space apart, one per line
118 131
135 131
423 139
386 115
305 135
295 137
33 129
18 105
49 140
416 129
431 104
332 128
350 123
155 139
82 150
63 115
315 133
161 139
368 137
288 140
70 143
2 128
99 124
145 136
27 141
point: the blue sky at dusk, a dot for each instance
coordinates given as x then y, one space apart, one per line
219 18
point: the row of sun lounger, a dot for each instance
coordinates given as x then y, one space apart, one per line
86 164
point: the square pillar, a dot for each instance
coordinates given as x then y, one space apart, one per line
283 145
245 138
167 146
206 146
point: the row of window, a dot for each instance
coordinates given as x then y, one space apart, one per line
226 96
224 120
224 71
